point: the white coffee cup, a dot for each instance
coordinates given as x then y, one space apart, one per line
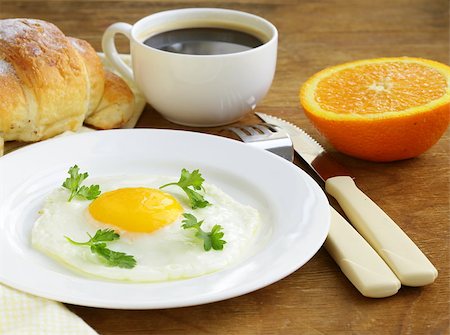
197 90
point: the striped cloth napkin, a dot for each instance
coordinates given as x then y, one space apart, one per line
25 314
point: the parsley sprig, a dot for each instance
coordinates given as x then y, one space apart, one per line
191 183
212 239
99 247
73 184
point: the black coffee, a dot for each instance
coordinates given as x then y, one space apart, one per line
203 41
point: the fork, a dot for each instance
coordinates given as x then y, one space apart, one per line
267 136
358 261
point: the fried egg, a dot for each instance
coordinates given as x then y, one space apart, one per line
149 222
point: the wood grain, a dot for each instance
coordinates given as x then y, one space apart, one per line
317 299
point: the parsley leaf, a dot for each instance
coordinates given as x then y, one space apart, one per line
99 247
216 237
113 258
190 221
194 180
196 199
212 239
73 185
89 193
104 235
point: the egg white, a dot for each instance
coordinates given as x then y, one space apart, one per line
169 253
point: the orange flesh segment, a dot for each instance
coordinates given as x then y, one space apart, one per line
380 87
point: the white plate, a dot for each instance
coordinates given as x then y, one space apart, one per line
295 210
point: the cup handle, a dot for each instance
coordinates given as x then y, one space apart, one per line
110 51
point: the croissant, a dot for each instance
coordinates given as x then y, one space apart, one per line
50 83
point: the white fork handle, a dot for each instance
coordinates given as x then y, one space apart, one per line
358 261
407 261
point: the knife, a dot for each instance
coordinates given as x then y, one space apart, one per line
358 261
402 255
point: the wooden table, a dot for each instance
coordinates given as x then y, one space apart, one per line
317 299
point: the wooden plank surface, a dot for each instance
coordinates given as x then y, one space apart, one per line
317 299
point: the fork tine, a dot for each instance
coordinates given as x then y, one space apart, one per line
268 137
238 132
264 129
251 130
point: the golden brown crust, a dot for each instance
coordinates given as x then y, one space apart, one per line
94 69
116 106
51 74
13 104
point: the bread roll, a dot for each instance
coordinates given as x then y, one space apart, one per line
50 83
116 105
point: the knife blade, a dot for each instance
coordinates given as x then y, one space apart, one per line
402 255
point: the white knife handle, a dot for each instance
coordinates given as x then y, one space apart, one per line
407 261
358 261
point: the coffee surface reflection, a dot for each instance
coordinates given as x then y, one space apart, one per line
203 41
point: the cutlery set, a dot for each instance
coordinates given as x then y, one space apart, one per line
373 252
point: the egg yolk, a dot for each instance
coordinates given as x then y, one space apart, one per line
136 209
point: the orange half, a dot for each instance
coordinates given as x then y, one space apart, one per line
382 109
